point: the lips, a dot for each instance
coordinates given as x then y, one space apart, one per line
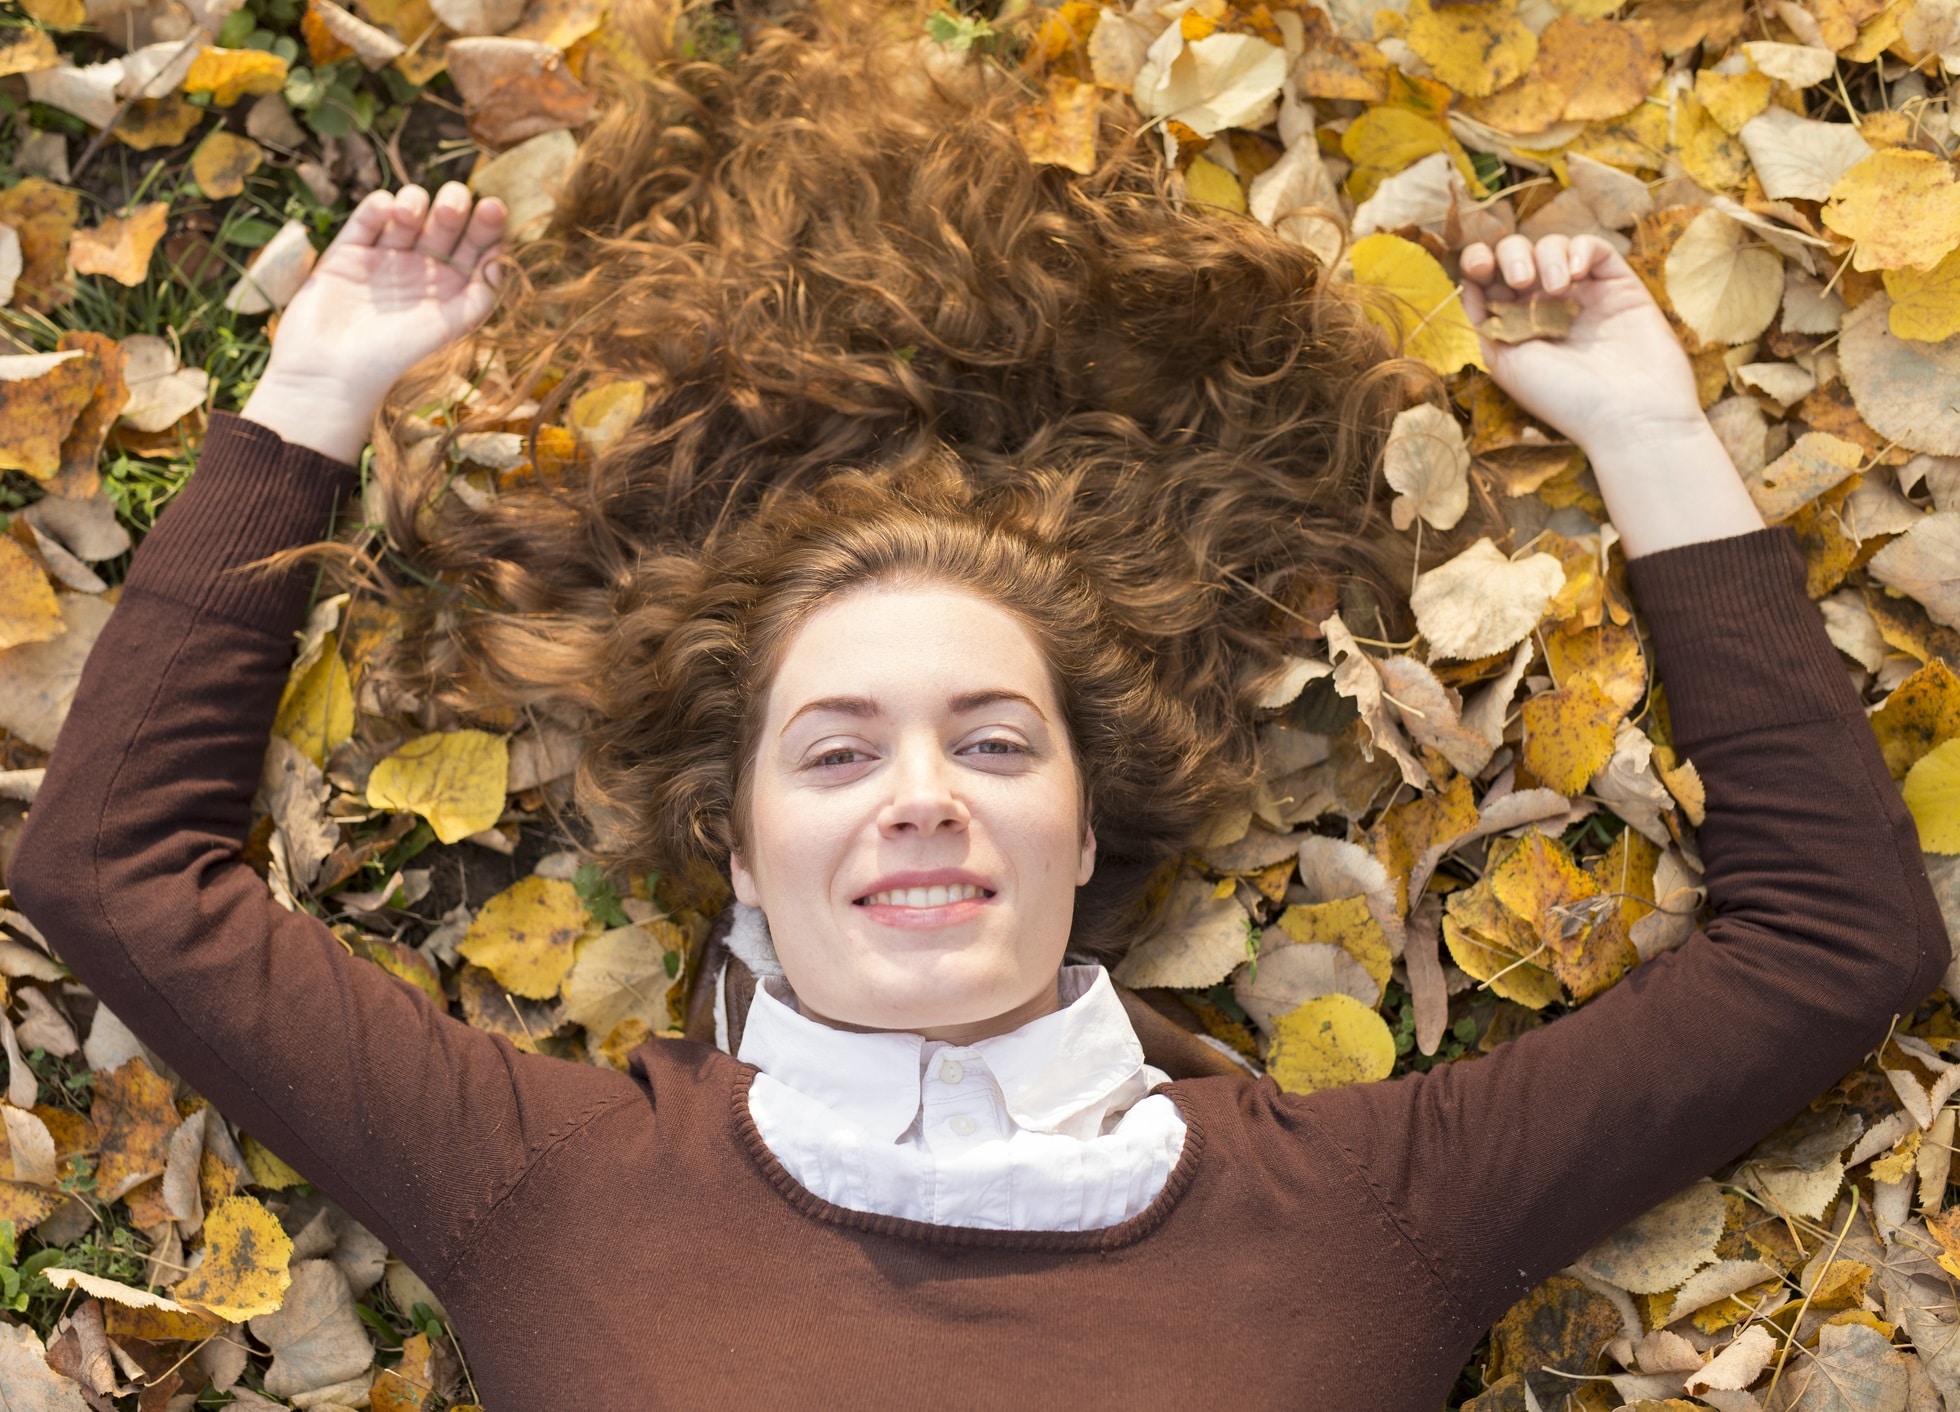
941 887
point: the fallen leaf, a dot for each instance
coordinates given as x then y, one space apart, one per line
1854 1369
231 74
1492 945
1202 937
316 1338
409 1386
1902 388
1476 47
1932 793
1481 603
244 1272
28 610
1062 131
1426 461
25 50
1289 976
621 974
1922 712
43 216
1658 1250
222 162
134 1117
527 180
1926 306
161 393
1329 1042
121 246
526 936
1415 302
453 779
1817 462
1349 923
1924 564
1799 157
41 395
1799 65
515 88
316 711
1724 288
1218 81
275 273
158 122
31 1385
375 48
1900 206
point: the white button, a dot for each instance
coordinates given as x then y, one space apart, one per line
951 1071
961 1124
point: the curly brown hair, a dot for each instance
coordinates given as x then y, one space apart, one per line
878 341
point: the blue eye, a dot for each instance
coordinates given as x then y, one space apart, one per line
842 755
1004 747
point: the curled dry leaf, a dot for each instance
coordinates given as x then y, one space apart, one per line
375 48
161 393
1924 564
41 396
1817 462
1481 603
1220 81
515 88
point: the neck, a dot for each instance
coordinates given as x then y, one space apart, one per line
1044 1002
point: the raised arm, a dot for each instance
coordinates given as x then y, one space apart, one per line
130 862
1504 1169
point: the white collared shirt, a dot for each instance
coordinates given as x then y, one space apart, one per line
1050 1127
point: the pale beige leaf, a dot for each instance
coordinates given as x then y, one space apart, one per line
1799 65
1427 462
1812 466
1903 388
1661 1248
1202 940
1223 80
1617 198
30 1384
1432 714
1736 1366
1723 287
316 1338
1923 563
1855 1369
1784 383
1358 677
38 679
1480 602
1288 976
275 273
1798 157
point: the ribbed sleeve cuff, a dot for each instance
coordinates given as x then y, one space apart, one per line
253 494
1740 645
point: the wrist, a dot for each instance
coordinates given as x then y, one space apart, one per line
1669 482
323 414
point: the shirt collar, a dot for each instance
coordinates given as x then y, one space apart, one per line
1048 1070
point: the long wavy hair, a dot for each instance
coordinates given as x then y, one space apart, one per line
878 341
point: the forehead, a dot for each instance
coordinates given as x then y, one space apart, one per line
895 642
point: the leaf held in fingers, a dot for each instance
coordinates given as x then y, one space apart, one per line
1520 320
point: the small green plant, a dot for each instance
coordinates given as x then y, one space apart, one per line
959 32
601 899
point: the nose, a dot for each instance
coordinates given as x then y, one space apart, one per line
923 802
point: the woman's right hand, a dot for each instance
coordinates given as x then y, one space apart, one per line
405 277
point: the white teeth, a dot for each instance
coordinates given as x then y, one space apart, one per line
925 896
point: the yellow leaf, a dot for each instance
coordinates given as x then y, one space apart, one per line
1723 284
1606 654
1814 465
44 216
41 396
133 1116
1922 712
1932 792
1733 99
1209 184
316 713
1329 1042
246 1255
601 415
1568 735
267 1167
1417 302
454 779
621 975
121 246
61 14
1061 129
1476 48
231 74
1347 924
222 162
409 1386
28 610
158 122
526 936
1926 304
1488 941
1605 67
1712 156
1901 206
1382 141
26 51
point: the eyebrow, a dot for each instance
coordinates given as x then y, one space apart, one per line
864 706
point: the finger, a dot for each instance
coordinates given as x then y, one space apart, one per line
411 205
449 213
1477 262
485 230
1555 264
1604 261
1474 307
1585 254
1515 259
369 220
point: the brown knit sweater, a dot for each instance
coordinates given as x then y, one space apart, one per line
608 1240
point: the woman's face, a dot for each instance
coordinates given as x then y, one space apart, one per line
916 829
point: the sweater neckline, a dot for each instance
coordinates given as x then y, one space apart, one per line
1183 1173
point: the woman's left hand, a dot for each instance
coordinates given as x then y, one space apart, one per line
405 277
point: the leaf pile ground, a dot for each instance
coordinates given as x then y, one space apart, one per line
1456 838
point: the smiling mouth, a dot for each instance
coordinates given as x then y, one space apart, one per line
925 896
